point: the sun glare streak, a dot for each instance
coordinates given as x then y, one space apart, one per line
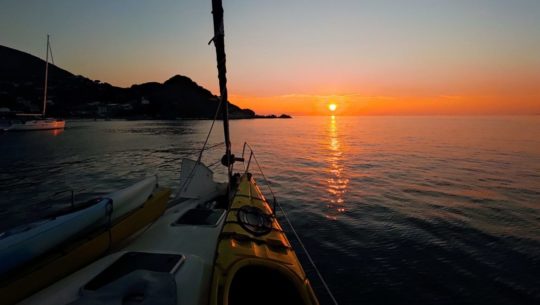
338 182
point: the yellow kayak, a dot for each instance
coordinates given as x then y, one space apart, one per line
255 263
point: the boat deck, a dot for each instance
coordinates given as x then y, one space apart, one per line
169 235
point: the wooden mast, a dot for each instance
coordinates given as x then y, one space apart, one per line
219 43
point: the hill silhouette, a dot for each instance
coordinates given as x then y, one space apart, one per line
69 95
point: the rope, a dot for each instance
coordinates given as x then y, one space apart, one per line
264 177
195 152
210 131
218 162
215 145
308 255
191 174
52 58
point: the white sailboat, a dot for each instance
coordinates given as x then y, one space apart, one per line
37 121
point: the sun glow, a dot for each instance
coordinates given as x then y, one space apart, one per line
332 107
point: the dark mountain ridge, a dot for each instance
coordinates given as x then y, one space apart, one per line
21 90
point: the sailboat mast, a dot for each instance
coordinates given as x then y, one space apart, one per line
219 42
46 76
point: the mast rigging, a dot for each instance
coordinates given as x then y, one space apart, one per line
46 76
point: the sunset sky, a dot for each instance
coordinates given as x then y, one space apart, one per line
290 56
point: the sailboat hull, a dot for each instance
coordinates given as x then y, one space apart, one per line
46 124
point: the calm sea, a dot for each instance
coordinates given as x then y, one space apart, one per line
394 210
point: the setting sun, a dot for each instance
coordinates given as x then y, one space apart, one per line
332 107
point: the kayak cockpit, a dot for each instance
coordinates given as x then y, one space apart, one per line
264 286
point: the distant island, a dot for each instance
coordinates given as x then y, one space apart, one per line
75 96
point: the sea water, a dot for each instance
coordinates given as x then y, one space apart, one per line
393 210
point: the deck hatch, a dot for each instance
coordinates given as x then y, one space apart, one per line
133 261
200 216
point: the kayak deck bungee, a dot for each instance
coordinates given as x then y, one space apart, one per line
254 255
75 255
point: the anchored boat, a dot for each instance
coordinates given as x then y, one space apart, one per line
27 122
217 243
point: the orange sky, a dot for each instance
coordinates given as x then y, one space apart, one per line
503 94
371 57
354 104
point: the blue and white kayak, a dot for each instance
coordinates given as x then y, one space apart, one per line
24 243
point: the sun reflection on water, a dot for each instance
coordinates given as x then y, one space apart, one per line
337 183
56 132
